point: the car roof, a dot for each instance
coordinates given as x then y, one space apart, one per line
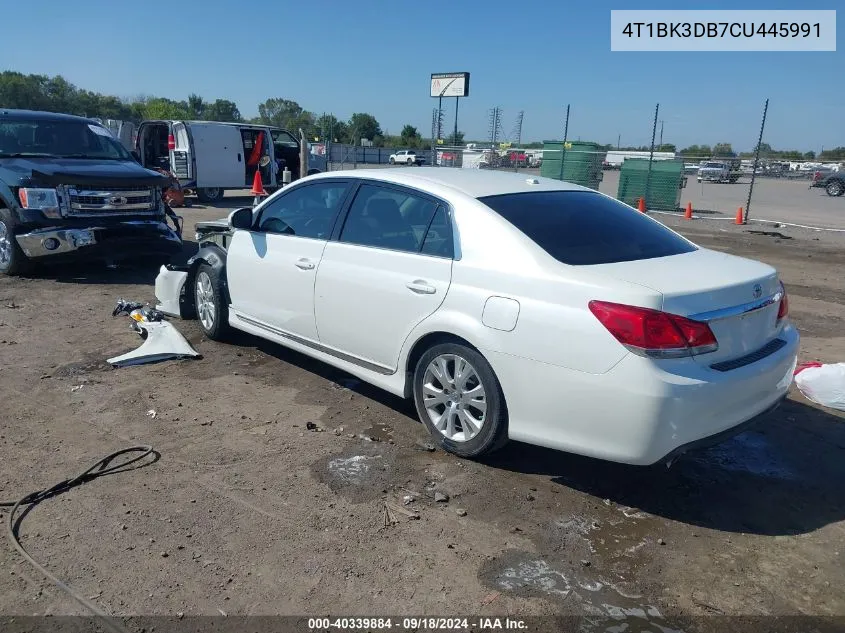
37 115
475 183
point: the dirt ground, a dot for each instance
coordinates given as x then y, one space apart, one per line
247 512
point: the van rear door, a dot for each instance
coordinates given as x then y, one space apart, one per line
181 157
218 156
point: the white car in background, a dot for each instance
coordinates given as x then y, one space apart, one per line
406 157
506 307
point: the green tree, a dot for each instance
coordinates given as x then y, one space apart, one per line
837 154
723 149
809 155
697 151
196 107
221 110
161 108
410 137
666 147
362 125
328 127
455 141
286 114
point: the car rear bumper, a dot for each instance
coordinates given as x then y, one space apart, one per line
642 411
115 241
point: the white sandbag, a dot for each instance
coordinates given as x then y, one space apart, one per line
823 384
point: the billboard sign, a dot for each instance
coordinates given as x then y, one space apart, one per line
450 84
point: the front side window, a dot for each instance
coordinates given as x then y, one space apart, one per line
583 228
389 218
57 138
307 211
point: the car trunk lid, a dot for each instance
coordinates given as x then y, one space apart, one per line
737 297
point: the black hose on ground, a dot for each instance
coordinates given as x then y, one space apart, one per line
104 466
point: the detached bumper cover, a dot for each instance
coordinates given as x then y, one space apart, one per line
116 240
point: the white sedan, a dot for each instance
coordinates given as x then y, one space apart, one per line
507 307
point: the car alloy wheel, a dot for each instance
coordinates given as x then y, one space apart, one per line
5 246
835 188
205 301
454 397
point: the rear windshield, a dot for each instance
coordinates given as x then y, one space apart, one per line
583 228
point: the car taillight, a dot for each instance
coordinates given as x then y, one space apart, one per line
783 308
171 142
653 333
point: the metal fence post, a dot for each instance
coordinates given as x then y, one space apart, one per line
756 163
651 155
563 147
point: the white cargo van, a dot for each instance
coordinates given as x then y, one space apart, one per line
211 157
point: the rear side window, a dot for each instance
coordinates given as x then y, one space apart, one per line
583 228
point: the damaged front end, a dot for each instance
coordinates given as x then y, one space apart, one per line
111 218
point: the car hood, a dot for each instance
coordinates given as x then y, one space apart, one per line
75 171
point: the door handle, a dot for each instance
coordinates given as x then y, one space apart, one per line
239 157
304 264
420 287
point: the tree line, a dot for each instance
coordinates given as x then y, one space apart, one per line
56 94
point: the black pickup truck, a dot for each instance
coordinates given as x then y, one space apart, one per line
70 191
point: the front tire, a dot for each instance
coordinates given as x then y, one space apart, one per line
211 303
835 188
12 259
392 161
210 194
460 400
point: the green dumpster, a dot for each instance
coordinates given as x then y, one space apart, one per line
576 162
664 191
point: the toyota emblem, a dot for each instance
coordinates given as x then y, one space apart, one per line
117 201
758 291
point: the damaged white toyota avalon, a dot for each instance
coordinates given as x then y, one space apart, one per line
507 307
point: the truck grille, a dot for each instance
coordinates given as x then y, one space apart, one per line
110 201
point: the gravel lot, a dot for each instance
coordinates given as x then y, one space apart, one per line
247 512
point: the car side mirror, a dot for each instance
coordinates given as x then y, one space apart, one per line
241 218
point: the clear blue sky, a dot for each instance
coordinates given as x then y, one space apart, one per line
376 56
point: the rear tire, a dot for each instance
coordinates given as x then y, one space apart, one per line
211 303
456 394
210 194
13 262
835 188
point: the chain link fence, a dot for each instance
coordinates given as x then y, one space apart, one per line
712 181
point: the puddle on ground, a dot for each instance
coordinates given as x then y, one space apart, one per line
747 452
351 469
607 607
364 471
379 432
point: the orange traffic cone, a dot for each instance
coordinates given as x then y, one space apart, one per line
257 185
642 205
739 217
688 214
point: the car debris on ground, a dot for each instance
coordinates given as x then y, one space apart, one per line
162 341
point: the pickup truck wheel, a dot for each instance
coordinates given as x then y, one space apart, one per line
210 194
410 161
835 188
210 303
12 260
392 160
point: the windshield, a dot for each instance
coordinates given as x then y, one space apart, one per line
583 228
714 165
70 139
